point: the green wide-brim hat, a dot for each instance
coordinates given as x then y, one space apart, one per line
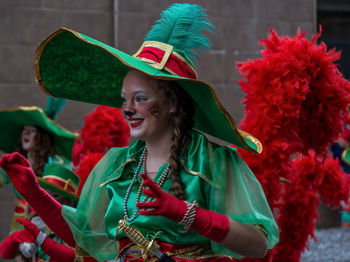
59 178
13 120
77 67
346 155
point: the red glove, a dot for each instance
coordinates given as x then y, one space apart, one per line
9 245
29 227
24 180
210 224
51 247
58 251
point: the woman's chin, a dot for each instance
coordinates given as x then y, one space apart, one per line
136 135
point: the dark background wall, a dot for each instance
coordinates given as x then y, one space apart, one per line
240 24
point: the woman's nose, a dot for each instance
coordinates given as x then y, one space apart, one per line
129 109
128 113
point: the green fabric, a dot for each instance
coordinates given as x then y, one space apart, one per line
74 66
5 180
61 168
345 216
215 176
346 155
54 105
14 119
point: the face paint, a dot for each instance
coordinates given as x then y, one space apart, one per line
154 109
144 107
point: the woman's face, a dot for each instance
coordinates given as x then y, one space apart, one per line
144 107
28 137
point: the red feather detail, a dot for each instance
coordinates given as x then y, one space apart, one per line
103 129
334 186
296 103
86 164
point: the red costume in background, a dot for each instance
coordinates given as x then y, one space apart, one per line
297 104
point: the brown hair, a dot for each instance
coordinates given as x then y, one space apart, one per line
44 148
183 121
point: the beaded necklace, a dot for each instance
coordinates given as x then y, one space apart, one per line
159 182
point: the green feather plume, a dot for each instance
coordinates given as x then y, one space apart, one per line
54 105
183 26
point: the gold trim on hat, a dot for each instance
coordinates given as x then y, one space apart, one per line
343 155
68 182
253 139
74 195
162 46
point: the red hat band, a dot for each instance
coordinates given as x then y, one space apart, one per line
162 56
66 185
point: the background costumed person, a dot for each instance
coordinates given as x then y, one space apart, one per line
132 204
36 242
297 103
341 151
32 132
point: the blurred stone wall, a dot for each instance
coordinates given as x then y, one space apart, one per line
23 25
240 24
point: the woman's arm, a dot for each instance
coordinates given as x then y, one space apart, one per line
240 238
246 240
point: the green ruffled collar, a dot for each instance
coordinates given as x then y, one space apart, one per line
197 160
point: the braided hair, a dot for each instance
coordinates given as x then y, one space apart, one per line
182 119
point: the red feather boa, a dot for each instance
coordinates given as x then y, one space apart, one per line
296 101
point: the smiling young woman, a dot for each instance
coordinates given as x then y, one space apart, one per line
172 195
145 109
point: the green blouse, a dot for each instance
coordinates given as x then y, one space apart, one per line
215 176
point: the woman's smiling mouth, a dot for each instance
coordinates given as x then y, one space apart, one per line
135 122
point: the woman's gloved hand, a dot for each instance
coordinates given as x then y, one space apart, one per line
20 172
210 224
10 244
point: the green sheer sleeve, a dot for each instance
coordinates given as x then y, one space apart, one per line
4 179
87 220
239 196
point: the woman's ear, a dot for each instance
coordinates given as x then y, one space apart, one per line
172 109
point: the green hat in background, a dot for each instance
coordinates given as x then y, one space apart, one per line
59 178
75 66
14 119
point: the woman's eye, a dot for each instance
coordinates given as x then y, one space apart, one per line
140 99
123 100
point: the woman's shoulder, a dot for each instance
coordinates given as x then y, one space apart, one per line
117 152
200 144
203 157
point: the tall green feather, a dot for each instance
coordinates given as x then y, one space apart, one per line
54 105
183 27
